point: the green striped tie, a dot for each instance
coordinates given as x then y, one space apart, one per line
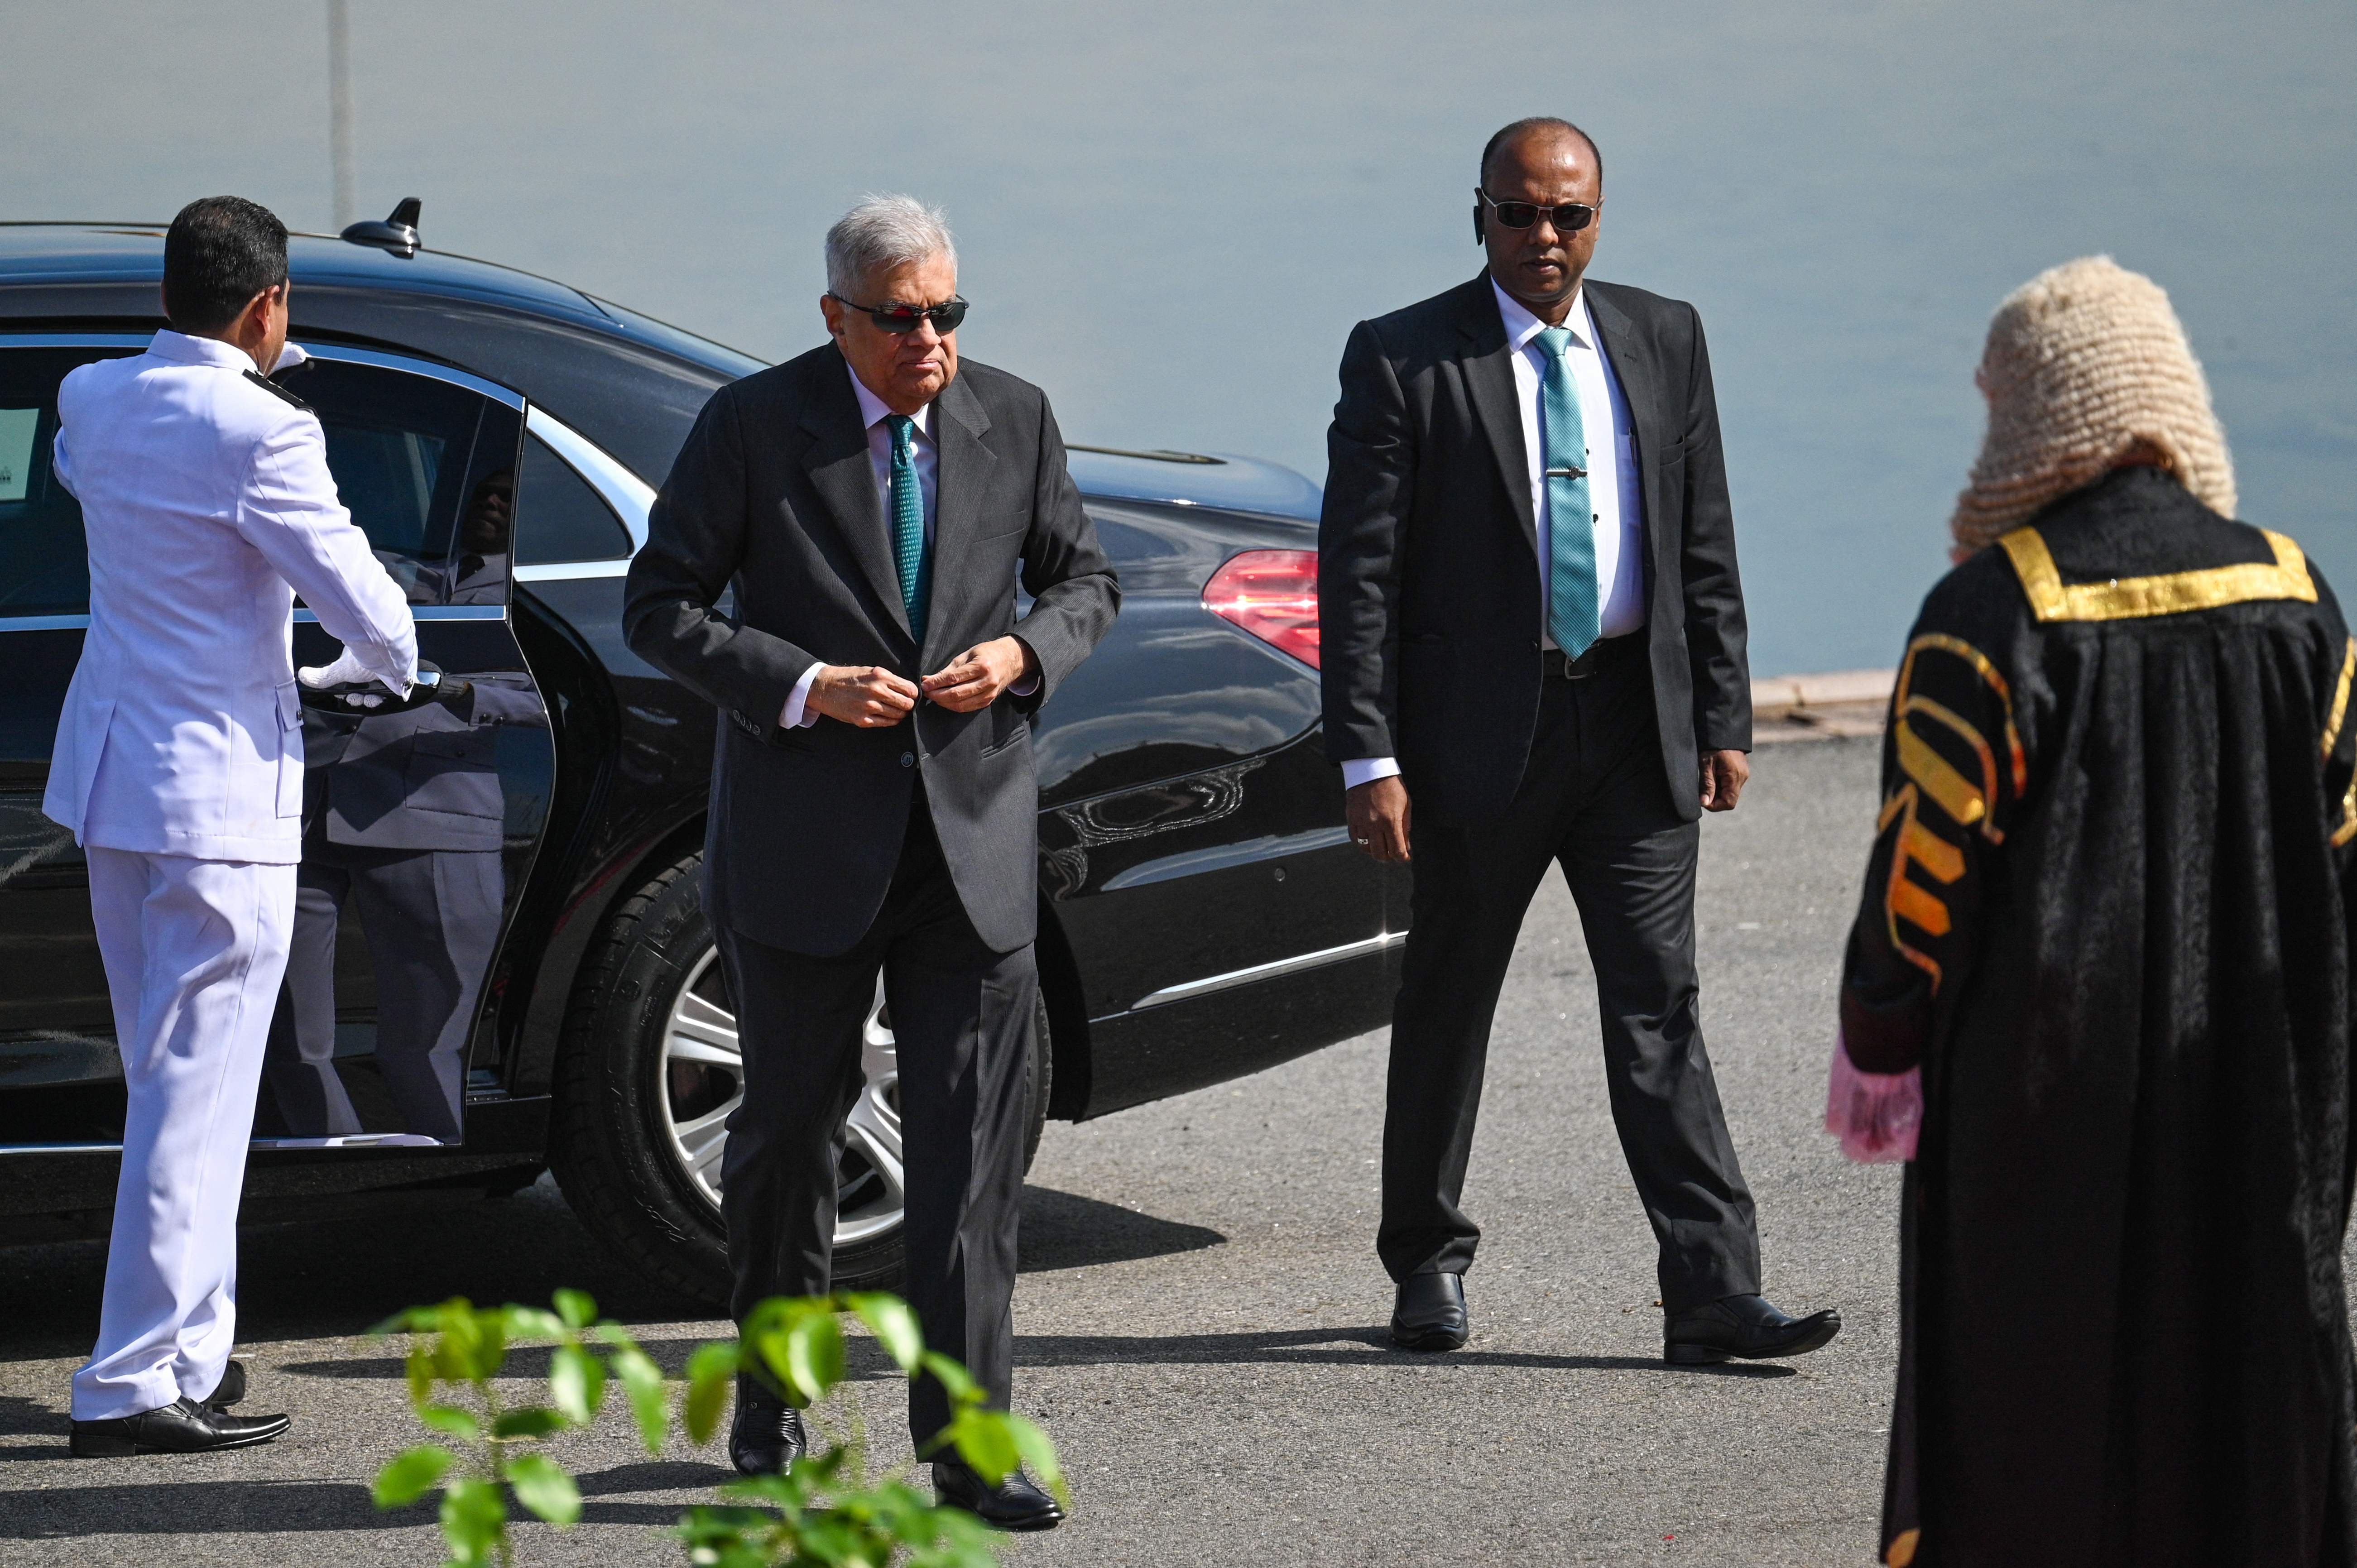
908 521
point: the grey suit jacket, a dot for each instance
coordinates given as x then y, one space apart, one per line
773 494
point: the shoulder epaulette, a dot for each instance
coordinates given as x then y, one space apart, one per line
274 389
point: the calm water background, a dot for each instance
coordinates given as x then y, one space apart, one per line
1171 216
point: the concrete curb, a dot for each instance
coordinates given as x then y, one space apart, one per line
1838 704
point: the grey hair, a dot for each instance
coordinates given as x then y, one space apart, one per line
883 231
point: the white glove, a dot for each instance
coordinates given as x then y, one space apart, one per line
347 671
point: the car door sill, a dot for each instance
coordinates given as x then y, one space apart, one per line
356 1141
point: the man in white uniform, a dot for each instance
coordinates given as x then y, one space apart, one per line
178 765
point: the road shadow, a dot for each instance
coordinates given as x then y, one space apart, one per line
653 1476
278 1507
524 1361
22 1417
188 1508
863 1357
1066 1230
1331 1348
323 1278
206 1508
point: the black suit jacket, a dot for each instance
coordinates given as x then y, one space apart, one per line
1428 573
774 494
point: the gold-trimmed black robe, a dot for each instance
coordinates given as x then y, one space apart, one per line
2107 914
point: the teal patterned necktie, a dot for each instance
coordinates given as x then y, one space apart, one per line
908 523
1573 616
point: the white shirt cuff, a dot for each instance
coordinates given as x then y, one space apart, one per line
798 714
1024 688
1367 770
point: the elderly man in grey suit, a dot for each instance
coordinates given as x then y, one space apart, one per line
873 805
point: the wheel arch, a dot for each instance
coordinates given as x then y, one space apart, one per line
557 995
1068 1020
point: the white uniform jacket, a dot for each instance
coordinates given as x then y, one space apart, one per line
207 504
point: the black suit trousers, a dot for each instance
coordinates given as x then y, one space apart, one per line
961 1017
1594 800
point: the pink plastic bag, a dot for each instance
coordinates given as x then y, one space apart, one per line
1875 1114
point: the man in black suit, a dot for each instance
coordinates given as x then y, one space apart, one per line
1533 630
873 801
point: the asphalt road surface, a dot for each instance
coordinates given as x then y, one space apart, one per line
1200 1322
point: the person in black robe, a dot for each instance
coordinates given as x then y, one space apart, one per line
2104 950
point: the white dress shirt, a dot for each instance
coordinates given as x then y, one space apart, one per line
1615 498
209 506
798 713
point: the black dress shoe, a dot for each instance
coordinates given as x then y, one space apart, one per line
184 1426
767 1436
1745 1325
229 1389
1430 1313
1013 1504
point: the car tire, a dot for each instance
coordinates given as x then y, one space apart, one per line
643 1083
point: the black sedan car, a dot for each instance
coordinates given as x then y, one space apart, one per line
500 960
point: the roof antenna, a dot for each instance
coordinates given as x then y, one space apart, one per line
397 233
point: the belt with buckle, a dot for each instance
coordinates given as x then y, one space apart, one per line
1554 666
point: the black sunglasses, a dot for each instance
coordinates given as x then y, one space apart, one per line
1569 218
905 318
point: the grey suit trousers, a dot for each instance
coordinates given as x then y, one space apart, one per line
1592 799
960 1016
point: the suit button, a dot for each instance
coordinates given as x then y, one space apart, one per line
908 760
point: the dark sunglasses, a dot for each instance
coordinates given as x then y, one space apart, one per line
1569 218
905 318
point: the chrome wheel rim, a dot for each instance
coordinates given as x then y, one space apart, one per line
703 1078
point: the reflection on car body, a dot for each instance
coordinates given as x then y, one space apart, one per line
403 824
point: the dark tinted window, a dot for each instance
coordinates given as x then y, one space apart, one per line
44 564
559 517
629 396
427 470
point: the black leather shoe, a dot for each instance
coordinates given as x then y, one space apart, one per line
1430 1313
1013 1504
229 1389
184 1426
767 1436
1748 1326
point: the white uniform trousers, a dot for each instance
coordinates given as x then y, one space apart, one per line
194 952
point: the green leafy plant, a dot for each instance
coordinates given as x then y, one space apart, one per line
827 1508
451 1370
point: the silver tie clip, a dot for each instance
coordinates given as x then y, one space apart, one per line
1567 473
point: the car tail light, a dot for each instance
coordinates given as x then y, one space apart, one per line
1272 594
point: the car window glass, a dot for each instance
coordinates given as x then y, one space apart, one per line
427 470
18 427
559 517
44 565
